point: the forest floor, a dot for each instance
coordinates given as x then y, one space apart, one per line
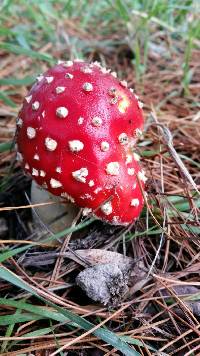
153 302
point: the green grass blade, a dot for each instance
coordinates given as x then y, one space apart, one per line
17 82
27 52
7 146
102 333
5 98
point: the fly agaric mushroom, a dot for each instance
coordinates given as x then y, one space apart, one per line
77 132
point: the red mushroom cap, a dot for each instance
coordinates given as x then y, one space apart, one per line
77 131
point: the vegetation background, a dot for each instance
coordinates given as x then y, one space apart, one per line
155 46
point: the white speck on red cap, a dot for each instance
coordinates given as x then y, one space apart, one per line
86 211
42 173
67 196
75 145
106 208
31 132
131 90
19 122
138 132
135 202
67 64
27 166
86 196
140 104
28 98
112 168
142 177
134 185
124 83
62 112
43 114
80 120
131 171
55 183
36 157
35 105
60 90
123 138
114 74
115 219
78 60
39 78
49 79
50 144
136 156
129 158
97 121
80 175
91 183
19 157
58 170
112 91
69 76
86 70
87 87
97 190
105 146
35 172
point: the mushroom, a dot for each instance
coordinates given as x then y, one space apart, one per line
77 133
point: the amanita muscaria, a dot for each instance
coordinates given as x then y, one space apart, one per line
77 133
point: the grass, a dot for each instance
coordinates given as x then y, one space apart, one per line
154 45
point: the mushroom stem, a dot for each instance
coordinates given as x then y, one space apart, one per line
55 217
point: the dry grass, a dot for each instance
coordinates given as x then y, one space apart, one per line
162 307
